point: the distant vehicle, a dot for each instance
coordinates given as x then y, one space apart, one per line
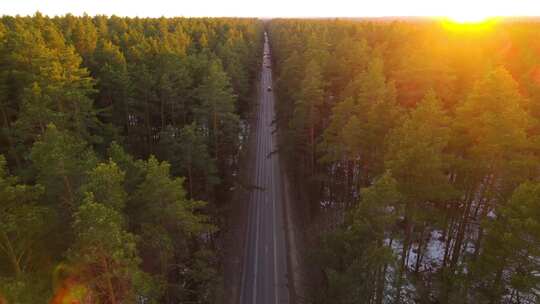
268 66
269 89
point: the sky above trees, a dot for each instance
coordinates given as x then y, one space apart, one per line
275 8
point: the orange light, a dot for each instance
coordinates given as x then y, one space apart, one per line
469 23
70 292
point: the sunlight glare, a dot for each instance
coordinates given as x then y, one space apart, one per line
470 12
469 18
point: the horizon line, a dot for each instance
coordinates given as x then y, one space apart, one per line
265 17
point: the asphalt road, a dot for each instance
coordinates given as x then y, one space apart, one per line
264 279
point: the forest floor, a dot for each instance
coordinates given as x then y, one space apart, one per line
295 235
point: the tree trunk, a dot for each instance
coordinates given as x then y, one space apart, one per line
126 116
448 242
9 140
461 232
406 239
347 181
190 181
382 279
312 146
110 289
69 188
214 123
162 114
495 294
148 128
420 251
10 252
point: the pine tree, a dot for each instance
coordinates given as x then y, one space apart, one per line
114 84
415 156
106 183
492 149
22 222
106 252
307 111
507 267
187 151
60 160
358 255
216 110
168 221
415 153
56 89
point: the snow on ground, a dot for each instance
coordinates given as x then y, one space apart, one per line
408 290
435 249
433 253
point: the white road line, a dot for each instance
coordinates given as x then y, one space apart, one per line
256 258
246 249
262 197
257 217
257 191
276 295
257 207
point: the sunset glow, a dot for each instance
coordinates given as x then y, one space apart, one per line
468 23
469 18
457 10
201 151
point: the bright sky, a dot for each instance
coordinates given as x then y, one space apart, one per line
275 8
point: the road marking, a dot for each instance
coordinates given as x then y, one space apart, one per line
256 258
258 181
257 217
246 249
276 295
273 188
262 198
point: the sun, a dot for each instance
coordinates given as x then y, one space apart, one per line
469 11
469 22
469 17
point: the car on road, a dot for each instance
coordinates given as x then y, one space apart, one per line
268 66
269 89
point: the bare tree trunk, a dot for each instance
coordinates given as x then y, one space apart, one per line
162 114
448 242
406 240
419 253
110 289
382 280
190 181
495 295
148 128
10 252
69 188
461 232
214 123
312 146
9 140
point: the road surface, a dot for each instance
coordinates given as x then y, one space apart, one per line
264 279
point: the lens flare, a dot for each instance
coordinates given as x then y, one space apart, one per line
71 292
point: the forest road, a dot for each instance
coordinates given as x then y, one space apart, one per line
264 276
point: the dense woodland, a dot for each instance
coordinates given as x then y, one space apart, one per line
119 144
419 144
414 146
